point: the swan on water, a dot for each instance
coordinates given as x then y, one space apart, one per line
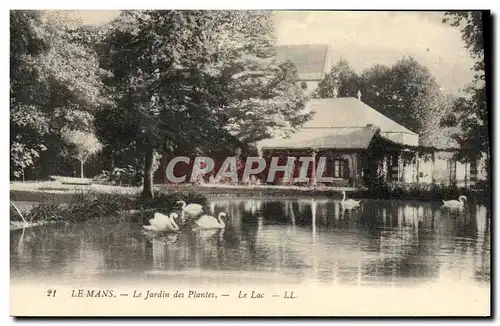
163 223
193 210
349 203
210 222
455 203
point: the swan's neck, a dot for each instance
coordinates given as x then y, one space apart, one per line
343 196
183 205
176 227
219 218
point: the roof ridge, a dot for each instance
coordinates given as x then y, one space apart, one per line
383 116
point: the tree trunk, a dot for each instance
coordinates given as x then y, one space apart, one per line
81 169
162 171
112 160
147 191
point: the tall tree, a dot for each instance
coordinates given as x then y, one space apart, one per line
183 79
341 81
28 123
85 144
55 82
163 83
470 112
408 94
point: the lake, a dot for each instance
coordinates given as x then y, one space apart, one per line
270 241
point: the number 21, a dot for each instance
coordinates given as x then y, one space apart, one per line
51 293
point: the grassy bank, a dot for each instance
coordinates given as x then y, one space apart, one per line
424 192
30 191
88 205
128 198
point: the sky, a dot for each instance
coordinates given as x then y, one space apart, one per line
368 38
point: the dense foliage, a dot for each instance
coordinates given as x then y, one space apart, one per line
192 81
149 83
405 92
152 84
341 81
470 112
56 82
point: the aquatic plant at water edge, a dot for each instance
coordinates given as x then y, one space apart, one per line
422 191
91 205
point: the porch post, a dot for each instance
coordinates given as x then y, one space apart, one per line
465 176
385 168
473 171
452 166
395 166
292 175
312 181
417 163
433 168
354 169
359 170
454 171
449 171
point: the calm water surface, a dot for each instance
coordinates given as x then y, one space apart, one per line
271 240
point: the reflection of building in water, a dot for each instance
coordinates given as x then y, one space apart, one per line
90 259
158 253
481 221
482 260
402 241
253 206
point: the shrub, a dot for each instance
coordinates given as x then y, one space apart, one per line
382 189
165 201
91 205
128 176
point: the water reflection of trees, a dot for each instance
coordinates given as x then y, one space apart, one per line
384 241
41 250
399 239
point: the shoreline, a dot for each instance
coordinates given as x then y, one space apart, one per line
60 194
20 225
56 193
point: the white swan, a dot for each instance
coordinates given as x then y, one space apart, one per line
193 210
163 223
454 204
210 222
349 203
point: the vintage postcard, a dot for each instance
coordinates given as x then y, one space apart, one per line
250 163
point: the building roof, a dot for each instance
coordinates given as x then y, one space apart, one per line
324 138
309 59
342 112
339 123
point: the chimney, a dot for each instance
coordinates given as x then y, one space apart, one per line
359 95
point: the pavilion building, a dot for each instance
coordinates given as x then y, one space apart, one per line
347 132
